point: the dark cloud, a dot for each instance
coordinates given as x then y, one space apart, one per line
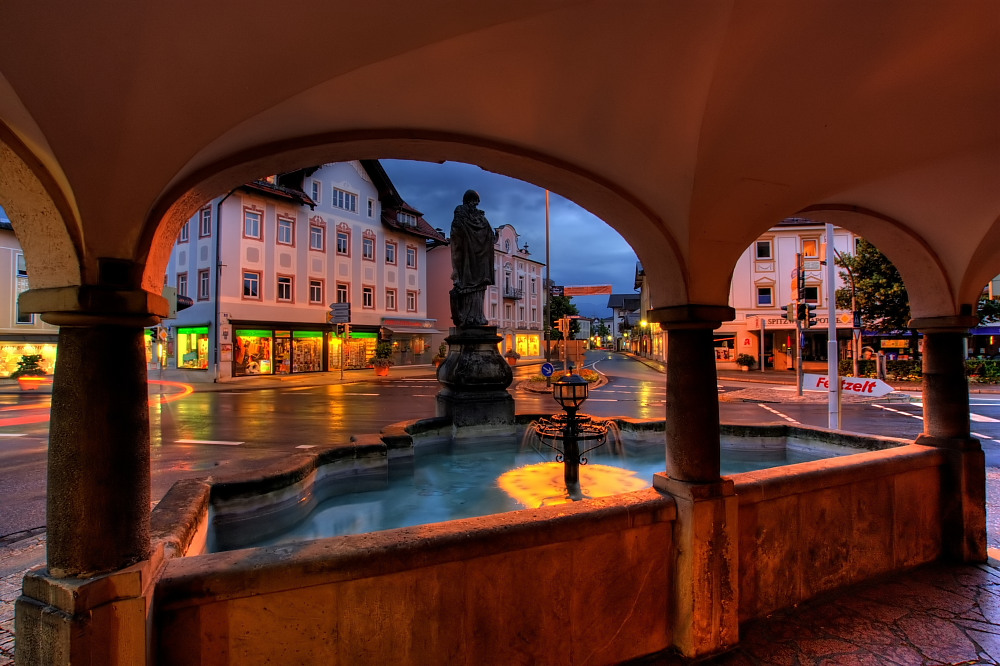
584 250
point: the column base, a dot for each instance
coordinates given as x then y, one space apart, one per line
963 498
705 606
99 620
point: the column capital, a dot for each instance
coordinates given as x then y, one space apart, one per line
946 324
90 305
691 315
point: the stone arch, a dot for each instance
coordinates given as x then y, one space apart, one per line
612 202
45 221
983 266
930 288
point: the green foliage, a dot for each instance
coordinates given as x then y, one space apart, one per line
383 355
442 350
982 371
590 375
745 360
898 370
603 330
988 309
562 306
28 366
879 291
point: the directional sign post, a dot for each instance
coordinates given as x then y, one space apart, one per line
874 388
547 369
340 313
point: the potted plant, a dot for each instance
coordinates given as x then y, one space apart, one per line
512 356
382 360
441 355
29 373
745 361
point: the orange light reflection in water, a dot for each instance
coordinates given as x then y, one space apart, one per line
542 484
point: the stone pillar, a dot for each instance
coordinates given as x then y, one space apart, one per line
89 604
947 426
705 607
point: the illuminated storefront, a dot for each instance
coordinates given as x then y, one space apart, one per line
411 339
277 351
529 345
352 353
11 352
191 344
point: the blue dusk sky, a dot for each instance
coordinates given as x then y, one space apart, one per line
584 250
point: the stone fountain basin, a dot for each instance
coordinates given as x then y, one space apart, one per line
200 516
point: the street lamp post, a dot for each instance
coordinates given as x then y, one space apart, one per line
570 392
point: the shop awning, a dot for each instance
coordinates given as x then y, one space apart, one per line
413 330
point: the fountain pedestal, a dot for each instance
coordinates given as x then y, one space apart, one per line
475 378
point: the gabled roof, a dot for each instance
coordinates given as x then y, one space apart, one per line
393 204
623 302
279 192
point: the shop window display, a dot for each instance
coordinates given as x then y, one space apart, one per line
192 348
252 353
307 351
355 351
11 353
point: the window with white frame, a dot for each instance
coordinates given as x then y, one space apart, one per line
411 301
390 299
343 293
251 223
390 252
315 291
533 286
508 311
315 192
344 200
371 207
285 290
251 285
811 295
286 231
368 249
343 243
185 233
411 257
765 297
317 237
368 297
763 249
408 219
21 277
493 310
182 284
204 283
205 223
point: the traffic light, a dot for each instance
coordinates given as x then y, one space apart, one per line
808 314
789 312
800 312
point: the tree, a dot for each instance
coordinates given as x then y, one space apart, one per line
988 309
878 288
562 306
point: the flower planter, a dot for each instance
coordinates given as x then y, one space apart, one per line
381 371
511 360
31 383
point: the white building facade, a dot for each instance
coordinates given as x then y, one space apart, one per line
764 281
290 246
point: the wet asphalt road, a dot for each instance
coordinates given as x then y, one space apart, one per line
227 432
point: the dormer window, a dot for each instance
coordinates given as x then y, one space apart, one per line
407 219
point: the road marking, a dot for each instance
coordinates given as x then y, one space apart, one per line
775 411
375 394
300 388
306 446
899 411
979 418
206 441
13 434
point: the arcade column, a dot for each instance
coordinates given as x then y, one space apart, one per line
705 607
88 605
947 426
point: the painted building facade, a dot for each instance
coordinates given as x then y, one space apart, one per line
290 246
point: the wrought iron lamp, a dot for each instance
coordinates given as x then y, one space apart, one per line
570 392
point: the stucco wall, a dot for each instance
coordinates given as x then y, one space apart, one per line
587 583
808 528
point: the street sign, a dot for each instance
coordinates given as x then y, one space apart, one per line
873 388
340 313
547 369
557 290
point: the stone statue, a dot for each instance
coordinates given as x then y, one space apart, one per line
472 241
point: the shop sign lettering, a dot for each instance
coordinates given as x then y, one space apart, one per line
854 385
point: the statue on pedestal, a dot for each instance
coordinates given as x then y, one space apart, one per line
472 241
